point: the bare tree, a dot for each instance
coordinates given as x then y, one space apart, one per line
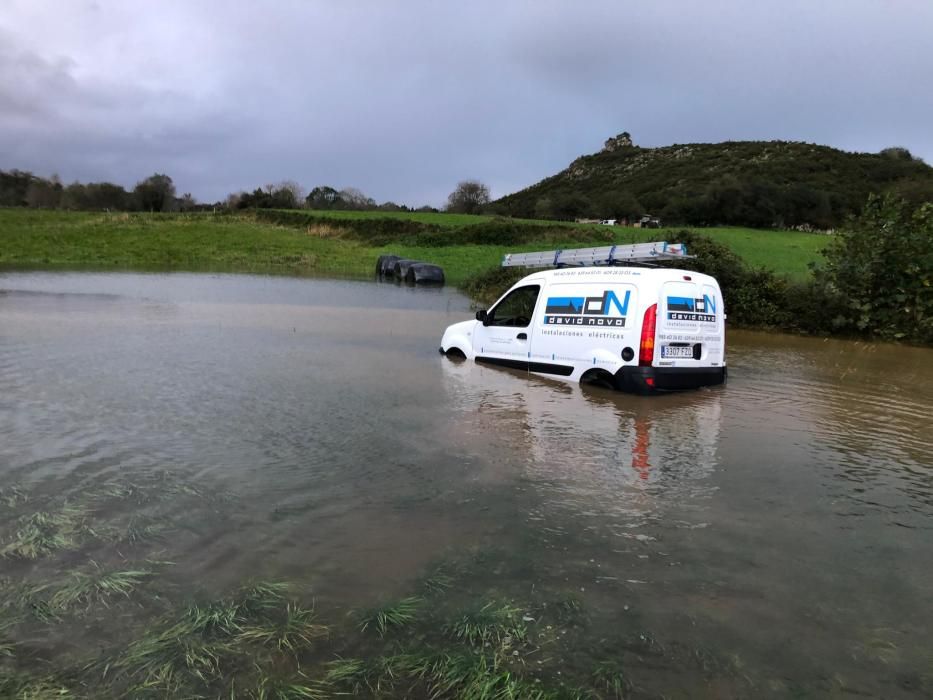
469 198
233 200
295 193
187 202
355 199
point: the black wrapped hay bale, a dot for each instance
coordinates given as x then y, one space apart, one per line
424 273
385 265
401 267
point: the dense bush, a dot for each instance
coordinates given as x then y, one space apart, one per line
880 268
486 287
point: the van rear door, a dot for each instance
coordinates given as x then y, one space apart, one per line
689 325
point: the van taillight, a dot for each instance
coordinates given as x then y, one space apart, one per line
646 350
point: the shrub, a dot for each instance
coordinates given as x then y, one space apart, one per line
488 286
881 268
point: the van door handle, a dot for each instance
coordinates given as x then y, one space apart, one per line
522 336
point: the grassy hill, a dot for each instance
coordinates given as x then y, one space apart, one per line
746 183
342 243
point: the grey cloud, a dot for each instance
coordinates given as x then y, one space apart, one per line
29 83
404 100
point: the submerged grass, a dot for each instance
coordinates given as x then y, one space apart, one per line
473 676
7 622
448 641
12 496
19 687
436 674
260 643
394 615
610 680
295 628
45 532
352 673
300 688
193 647
97 586
157 486
498 624
440 579
137 531
569 609
34 527
121 490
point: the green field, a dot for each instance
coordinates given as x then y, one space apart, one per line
436 218
237 242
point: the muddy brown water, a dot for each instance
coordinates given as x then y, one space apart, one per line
771 537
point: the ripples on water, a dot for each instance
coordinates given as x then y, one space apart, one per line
781 522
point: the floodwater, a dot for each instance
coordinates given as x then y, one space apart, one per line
769 538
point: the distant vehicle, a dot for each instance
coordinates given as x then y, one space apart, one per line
649 221
637 329
608 222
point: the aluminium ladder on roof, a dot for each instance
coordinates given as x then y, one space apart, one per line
639 253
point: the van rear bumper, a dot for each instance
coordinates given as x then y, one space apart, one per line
649 380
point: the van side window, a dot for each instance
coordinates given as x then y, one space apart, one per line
516 309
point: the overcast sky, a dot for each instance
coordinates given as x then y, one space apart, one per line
404 99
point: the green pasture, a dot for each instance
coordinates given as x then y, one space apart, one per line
33 239
30 239
435 218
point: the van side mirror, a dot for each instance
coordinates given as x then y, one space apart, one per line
481 316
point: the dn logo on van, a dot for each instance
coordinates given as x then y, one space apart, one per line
687 309
606 311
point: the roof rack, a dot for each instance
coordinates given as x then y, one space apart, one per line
637 254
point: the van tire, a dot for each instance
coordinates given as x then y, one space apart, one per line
598 377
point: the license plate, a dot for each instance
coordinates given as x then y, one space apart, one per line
676 351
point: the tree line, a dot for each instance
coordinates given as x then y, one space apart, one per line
155 193
725 201
290 195
469 197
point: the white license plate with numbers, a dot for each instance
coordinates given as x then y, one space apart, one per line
677 351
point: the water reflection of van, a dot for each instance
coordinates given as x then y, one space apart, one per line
588 440
634 329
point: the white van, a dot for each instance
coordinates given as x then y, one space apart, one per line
636 329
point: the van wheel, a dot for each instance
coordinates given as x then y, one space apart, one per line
598 377
455 354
